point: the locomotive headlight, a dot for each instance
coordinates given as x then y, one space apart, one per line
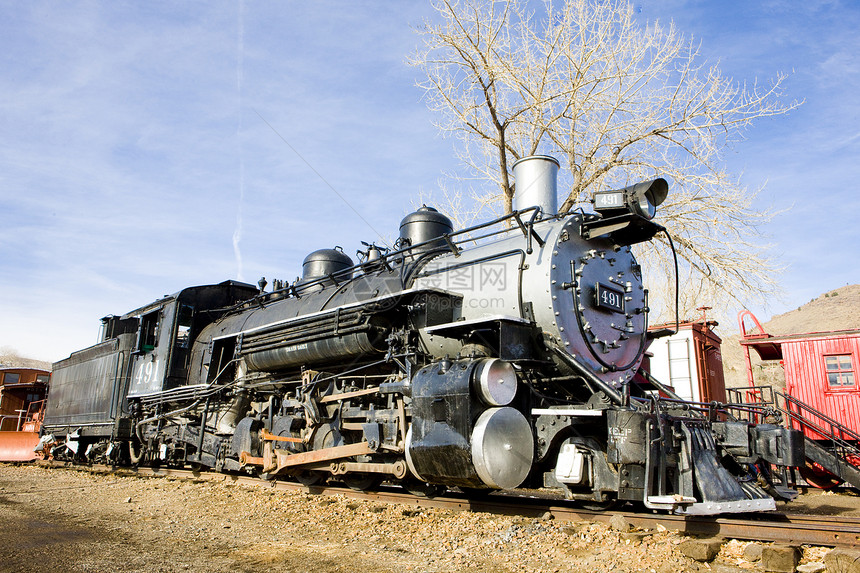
640 199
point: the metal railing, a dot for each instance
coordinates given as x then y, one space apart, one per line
13 427
522 221
844 442
34 410
754 402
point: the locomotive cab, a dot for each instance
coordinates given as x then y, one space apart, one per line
167 329
140 353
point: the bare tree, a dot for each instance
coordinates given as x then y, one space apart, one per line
619 102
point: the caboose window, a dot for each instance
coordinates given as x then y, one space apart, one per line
840 370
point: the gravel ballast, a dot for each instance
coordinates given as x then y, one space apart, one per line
56 519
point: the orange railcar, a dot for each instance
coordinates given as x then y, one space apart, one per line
22 398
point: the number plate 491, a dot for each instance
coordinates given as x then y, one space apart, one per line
610 298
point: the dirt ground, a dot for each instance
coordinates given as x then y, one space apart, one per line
74 521
812 501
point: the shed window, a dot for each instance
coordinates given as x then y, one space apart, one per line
840 370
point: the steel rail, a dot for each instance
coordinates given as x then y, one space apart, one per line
792 529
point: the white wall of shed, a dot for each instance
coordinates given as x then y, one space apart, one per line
674 363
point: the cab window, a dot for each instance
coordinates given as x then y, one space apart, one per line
148 332
183 325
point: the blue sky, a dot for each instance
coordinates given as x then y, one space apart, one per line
137 157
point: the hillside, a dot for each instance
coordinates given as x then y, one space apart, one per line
834 310
9 357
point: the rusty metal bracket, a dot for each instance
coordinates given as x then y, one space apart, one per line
246 459
287 461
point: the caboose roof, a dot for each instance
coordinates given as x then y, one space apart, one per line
770 347
23 369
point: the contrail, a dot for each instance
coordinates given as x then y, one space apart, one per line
237 232
240 48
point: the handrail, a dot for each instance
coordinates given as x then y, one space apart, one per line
758 410
844 442
31 411
835 426
24 416
762 391
461 237
801 408
743 328
845 450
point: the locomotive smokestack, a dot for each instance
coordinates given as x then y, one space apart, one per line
536 183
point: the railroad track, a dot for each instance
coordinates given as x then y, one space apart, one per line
794 529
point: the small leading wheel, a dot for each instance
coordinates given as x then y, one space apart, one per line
361 482
309 478
423 489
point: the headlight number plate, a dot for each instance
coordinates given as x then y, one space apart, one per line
609 297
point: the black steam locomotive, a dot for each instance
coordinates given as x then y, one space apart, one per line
499 356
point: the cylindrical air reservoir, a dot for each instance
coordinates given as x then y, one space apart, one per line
536 183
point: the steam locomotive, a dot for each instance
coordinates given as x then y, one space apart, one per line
500 356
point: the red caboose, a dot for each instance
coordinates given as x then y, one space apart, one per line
820 370
822 395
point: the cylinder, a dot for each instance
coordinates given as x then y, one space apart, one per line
536 183
496 382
